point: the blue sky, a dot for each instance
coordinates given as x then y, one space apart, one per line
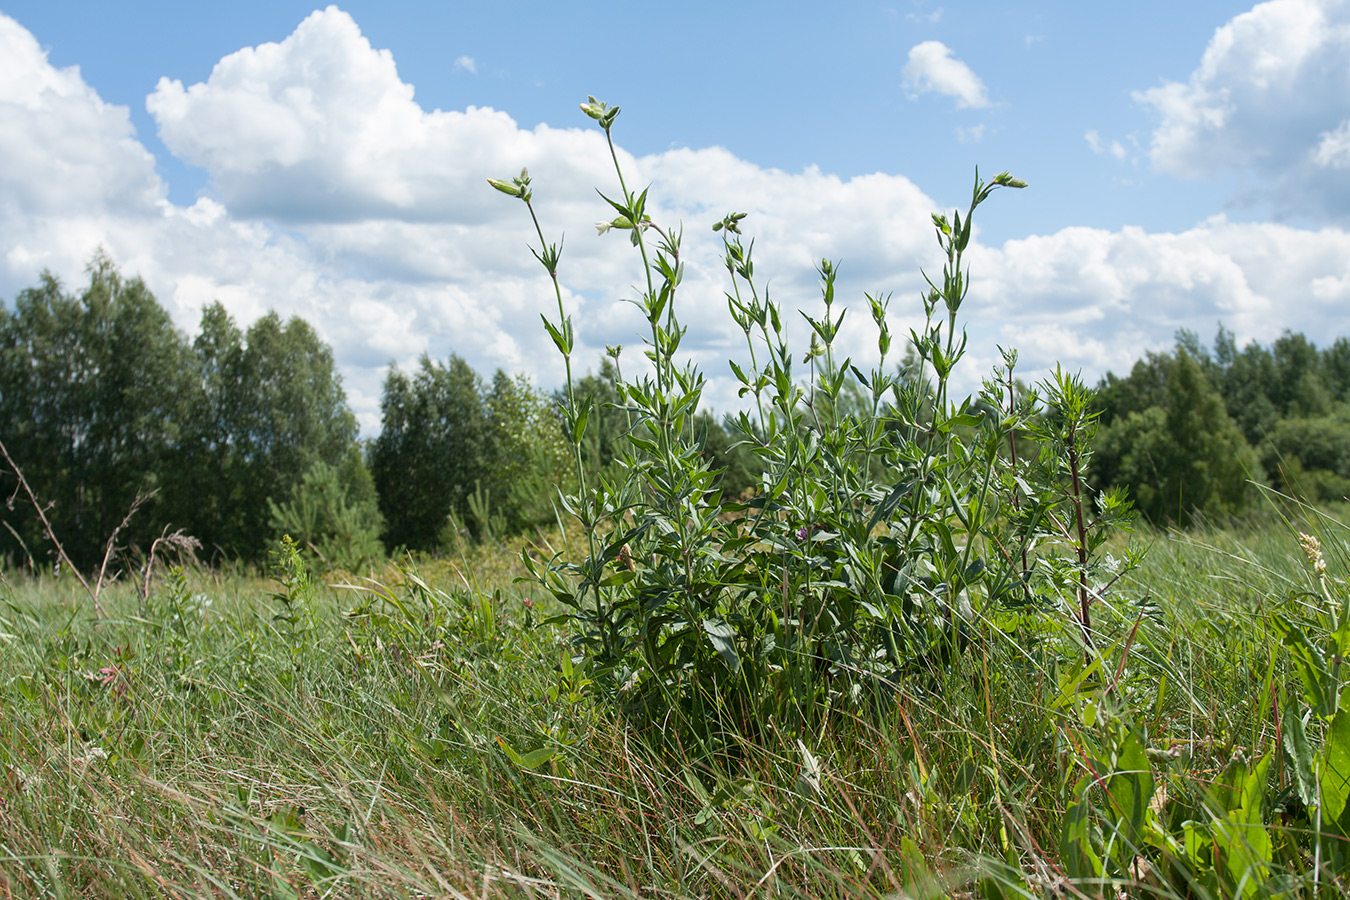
1188 163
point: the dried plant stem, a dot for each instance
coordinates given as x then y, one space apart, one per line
47 527
109 550
178 542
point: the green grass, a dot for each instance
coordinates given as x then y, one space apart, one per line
195 746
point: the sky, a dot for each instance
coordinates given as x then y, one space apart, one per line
1188 163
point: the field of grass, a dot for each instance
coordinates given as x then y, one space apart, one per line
421 735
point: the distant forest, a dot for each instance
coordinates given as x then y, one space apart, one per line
1191 432
238 436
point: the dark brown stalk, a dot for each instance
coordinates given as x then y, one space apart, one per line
51 535
111 547
1016 494
1085 620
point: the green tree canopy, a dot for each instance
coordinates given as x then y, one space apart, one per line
102 399
267 406
92 403
1181 457
429 457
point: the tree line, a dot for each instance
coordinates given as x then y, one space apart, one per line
1192 431
238 435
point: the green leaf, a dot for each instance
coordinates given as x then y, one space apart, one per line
563 344
1300 755
964 420
1076 845
1311 665
531 760
579 426
1333 771
723 638
1245 848
1130 787
1253 789
887 506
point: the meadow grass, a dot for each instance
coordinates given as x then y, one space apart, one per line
423 735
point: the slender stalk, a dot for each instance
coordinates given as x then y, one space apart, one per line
1012 457
583 495
1081 544
41 511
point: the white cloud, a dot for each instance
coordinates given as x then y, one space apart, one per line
64 149
931 17
467 64
1115 148
1106 296
1333 150
335 196
972 135
320 128
931 67
1268 100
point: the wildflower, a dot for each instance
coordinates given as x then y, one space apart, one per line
1312 548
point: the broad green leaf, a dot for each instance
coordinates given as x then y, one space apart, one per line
723 638
1333 771
1245 849
618 578
1300 755
887 506
964 420
1311 666
1225 793
579 426
531 760
1130 787
558 340
1253 789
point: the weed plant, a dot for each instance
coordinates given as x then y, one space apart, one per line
893 525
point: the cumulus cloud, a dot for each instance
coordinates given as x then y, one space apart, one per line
335 196
64 149
1095 299
320 128
1270 100
467 64
932 67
